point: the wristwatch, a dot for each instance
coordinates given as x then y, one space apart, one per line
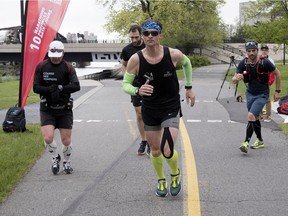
278 91
60 87
137 91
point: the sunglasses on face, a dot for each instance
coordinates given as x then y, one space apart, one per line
153 33
251 43
56 50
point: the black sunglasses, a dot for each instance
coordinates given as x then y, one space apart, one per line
251 43
56 50
153 33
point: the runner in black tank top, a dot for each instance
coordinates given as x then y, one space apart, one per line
155 67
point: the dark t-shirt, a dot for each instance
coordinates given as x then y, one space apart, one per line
126 54
255 86
64 74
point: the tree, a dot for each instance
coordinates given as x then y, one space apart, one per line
186 23
274 28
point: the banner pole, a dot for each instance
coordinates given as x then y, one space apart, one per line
23 29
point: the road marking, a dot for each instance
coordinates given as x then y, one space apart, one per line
94 121
77 120
190 120
193 198
130 120
214 121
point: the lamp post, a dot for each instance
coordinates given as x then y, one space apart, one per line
284 52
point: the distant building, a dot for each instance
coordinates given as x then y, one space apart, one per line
243 7
81 38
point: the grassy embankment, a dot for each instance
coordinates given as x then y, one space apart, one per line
18 151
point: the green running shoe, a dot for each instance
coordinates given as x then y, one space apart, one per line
161 190
244 147
257 144
175 186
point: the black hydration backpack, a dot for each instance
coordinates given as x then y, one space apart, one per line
15 120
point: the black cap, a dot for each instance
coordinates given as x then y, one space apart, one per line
251 45
264 47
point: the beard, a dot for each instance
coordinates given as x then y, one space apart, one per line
253 57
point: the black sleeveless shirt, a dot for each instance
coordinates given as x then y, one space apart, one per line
164 79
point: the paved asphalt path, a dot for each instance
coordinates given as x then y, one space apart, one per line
110 179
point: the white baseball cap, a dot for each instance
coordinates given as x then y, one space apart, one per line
56 49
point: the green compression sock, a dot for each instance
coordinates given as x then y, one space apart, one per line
158 164
173 163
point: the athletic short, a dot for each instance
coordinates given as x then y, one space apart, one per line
136 101
59 118
154 120
255 103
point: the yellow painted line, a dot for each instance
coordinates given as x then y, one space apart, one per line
193 198
132 129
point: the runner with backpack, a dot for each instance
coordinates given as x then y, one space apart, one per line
254 71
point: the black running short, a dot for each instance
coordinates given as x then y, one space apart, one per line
136 101
157 119
59 118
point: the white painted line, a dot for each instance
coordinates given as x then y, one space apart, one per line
189 120
88 121
75 120
208 101
230 121
214 121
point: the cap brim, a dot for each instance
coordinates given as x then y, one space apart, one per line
251 47
54 54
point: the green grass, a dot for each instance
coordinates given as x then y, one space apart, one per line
18 151
9 91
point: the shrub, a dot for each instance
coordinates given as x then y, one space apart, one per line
197 61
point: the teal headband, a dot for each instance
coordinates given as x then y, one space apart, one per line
151 25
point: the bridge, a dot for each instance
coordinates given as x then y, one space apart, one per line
74 52
110 52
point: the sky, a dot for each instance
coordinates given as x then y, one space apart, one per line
86 15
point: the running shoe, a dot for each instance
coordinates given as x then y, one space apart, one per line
148 150
257 144
67 168
142 147
161 190
244 147
55 164
267 119
175 186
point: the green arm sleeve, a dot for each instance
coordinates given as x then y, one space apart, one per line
127 83
187 69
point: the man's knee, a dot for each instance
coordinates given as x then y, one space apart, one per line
251 117
66 140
